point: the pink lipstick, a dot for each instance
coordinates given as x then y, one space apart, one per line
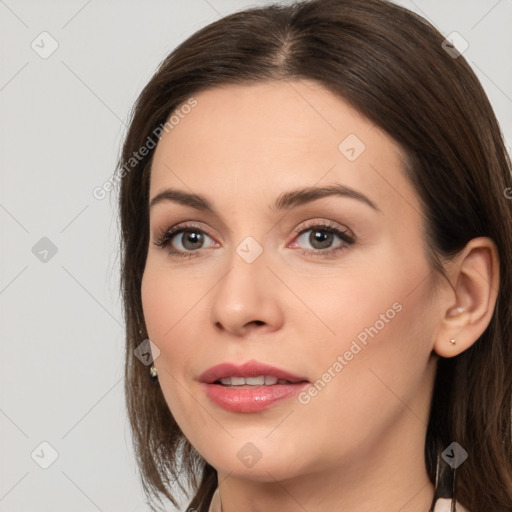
250 387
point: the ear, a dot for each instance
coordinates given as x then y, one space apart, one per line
474 283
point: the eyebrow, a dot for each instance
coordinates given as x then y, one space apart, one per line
285 201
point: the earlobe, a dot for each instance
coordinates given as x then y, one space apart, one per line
470 303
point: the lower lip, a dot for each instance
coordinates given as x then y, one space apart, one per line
251 399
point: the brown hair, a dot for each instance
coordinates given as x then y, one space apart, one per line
389 64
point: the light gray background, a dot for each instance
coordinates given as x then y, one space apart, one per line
62 123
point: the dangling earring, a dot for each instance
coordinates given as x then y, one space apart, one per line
445 483
152 371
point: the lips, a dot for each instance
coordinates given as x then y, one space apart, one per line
251 369
250 387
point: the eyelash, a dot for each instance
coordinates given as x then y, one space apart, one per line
165 237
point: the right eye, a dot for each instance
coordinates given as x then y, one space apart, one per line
190 237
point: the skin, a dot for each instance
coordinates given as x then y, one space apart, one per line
358 445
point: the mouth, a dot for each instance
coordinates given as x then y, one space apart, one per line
250 387
251 373
249 382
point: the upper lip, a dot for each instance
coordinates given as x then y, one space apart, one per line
248 369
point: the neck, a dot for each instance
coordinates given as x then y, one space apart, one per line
317 495
389 473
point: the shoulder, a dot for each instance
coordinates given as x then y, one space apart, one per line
215 503
445 505
442 504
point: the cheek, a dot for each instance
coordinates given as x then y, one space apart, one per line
173 309
164 314
350 303
166 301
157 307
379 346
363 393
154 308
165 310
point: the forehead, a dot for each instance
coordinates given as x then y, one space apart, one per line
261 138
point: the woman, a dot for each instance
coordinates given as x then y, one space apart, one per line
317 239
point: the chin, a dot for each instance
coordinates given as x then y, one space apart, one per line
258 460
265 472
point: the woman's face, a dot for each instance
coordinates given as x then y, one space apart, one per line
333 289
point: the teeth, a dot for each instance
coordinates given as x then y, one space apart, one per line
255 381
261 380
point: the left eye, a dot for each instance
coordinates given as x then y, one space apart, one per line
321 238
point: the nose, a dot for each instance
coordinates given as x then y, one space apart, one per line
247 299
